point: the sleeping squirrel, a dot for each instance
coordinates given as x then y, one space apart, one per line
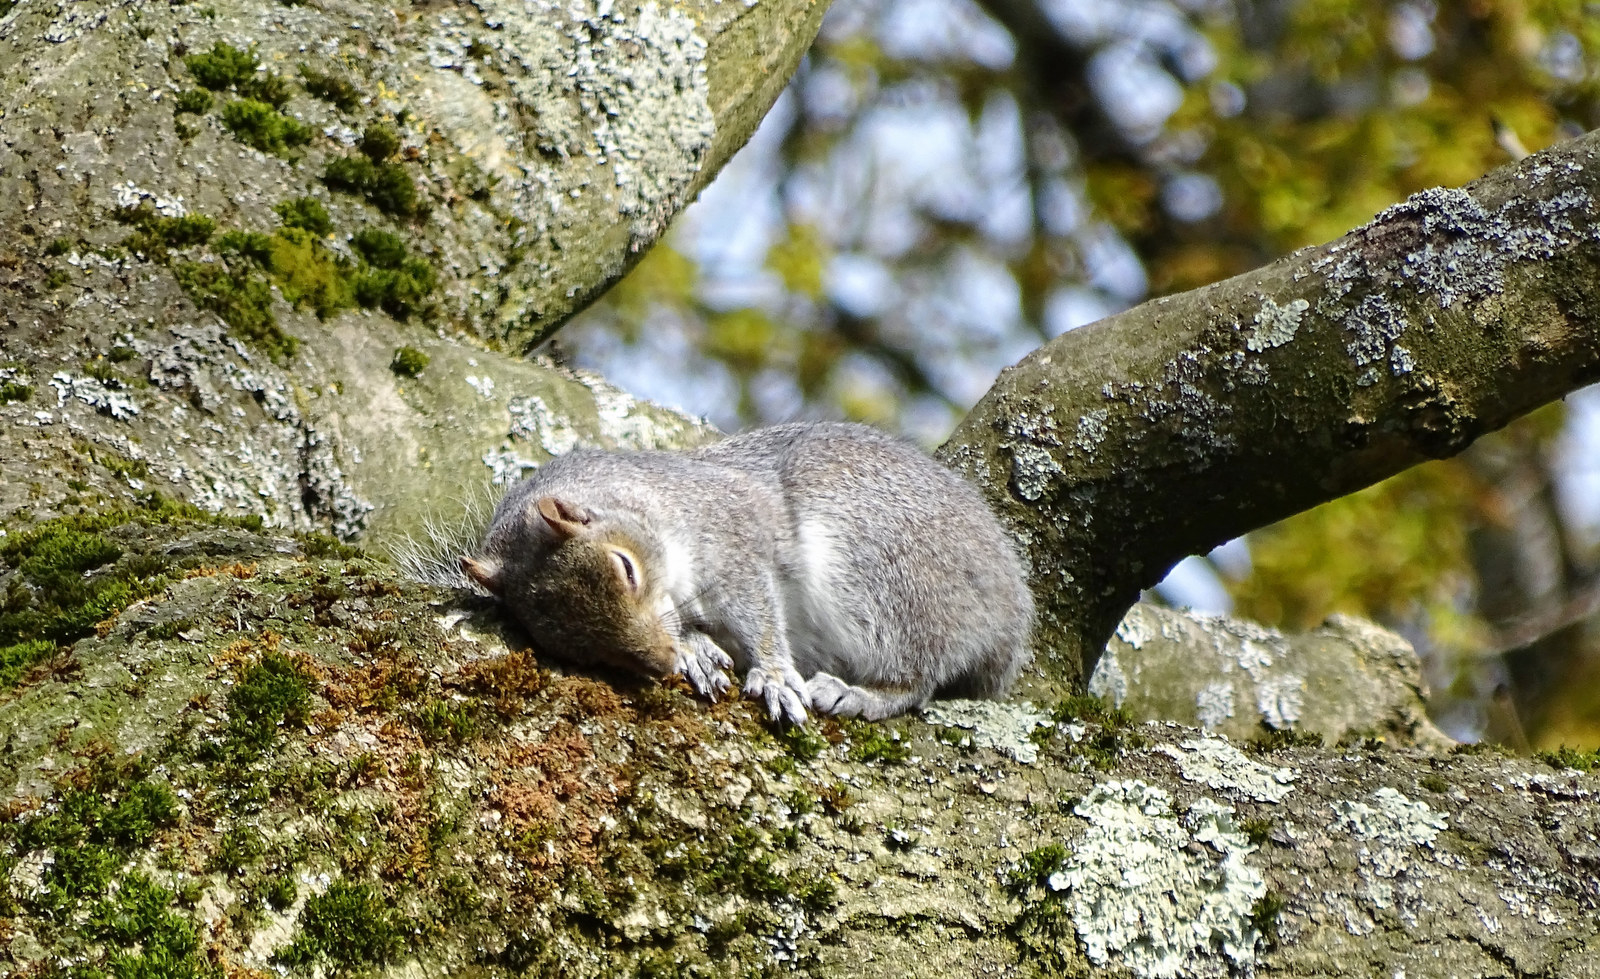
837 567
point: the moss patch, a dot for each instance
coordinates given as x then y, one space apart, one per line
304 213
196 101
155 234
275 690
13 391
331 87
1571 758
226 67
409 362
259 125
295 258
347 926
72 574
385 186
244 302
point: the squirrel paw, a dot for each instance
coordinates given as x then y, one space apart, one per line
704 664
828 694
783 691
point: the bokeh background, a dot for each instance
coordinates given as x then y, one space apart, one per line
948 183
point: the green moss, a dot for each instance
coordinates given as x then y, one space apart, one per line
408 361
223 67
801 742
1434 783
331 87
1257 830
740 860
243 300
380 248
194 100
239 847
317 544
442 721
1273 739
154 234
169 629
1264 915
870 742
1035 868
385 186
55 597
1570 758
273 692
348 926
102 814
252 246
280 892
17 659
1087 708
309 273
121 465
379 143
58 246
399 292
305 213
56 278
149 937
258 124
12 391
1043 931
226 67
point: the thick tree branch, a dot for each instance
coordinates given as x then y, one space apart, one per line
532 153
1119 448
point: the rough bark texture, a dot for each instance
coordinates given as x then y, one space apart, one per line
283 761
1118 448
536 150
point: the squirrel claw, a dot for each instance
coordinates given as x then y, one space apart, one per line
705 666
782 691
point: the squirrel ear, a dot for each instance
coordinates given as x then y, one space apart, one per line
565 519
484 573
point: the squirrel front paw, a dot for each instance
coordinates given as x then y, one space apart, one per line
704 664
782 689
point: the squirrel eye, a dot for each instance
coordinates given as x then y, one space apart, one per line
625 565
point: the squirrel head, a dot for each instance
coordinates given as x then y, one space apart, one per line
582 586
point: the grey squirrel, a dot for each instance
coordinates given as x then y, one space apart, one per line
842 569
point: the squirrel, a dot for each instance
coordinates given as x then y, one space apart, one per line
839 568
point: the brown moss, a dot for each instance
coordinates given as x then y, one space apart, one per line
507 681
553 797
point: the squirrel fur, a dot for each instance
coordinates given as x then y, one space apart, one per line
843 571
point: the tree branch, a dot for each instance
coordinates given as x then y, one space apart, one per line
1119 448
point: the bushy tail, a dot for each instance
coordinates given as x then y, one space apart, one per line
434 558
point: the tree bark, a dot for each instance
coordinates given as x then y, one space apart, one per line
544 148
225 751
1119 448
323 766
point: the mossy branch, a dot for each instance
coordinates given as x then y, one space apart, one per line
1117 449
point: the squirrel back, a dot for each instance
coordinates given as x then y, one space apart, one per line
842 569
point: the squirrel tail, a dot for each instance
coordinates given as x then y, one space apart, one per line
434 557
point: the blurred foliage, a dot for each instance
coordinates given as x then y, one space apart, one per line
948 184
